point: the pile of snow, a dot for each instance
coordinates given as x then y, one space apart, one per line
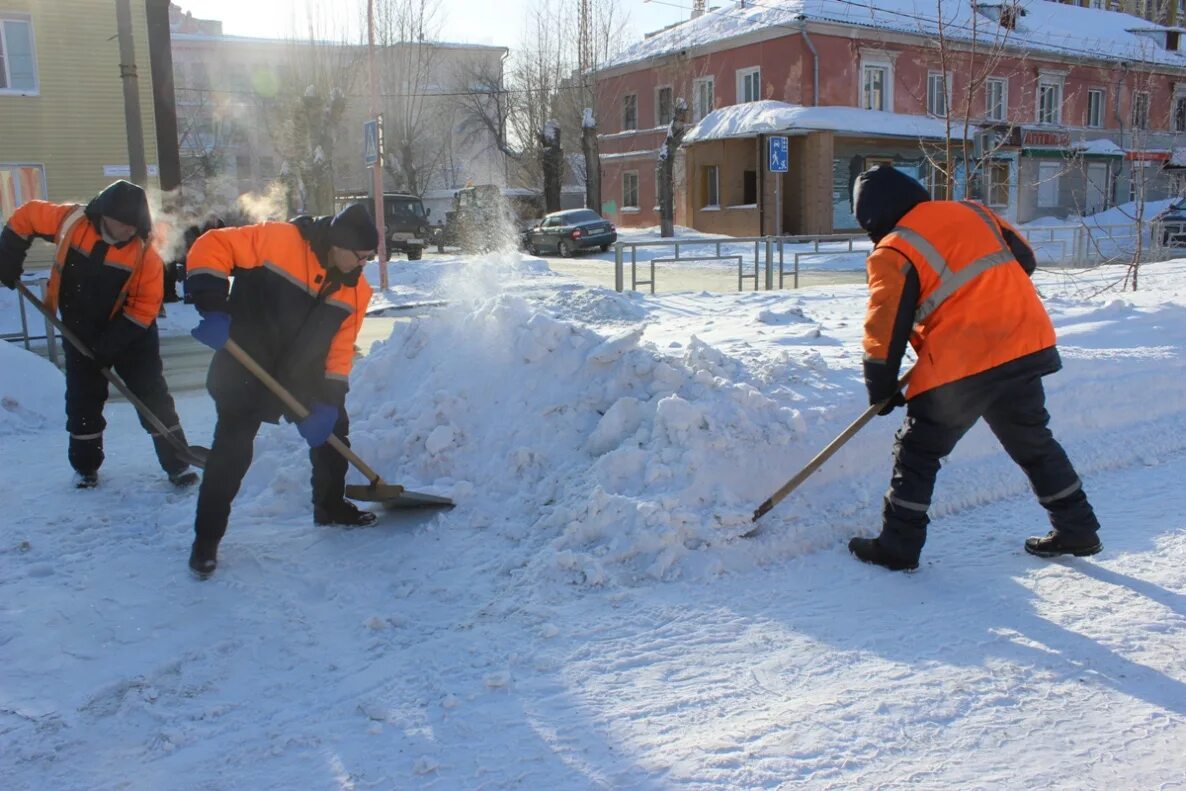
31 390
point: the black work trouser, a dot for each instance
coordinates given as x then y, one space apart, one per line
230 457
139 366
1015 410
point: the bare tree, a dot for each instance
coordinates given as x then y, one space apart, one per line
418 124
666 167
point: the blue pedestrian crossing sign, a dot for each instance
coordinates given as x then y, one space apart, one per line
370 141
778 154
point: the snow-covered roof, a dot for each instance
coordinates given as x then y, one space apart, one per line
1059 29
1098 147
755 118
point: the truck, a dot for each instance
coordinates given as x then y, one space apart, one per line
485 213
405 220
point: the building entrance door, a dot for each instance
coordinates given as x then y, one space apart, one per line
1096 199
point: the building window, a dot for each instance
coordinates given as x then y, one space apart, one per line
629 112
996 98
1140 110
18 63
1050 100
630 189
663 106
937 85
749 188
1048 176
1180 113
1095 108
874 87
712 186
20 184
749 85
702 97
267 167
998 182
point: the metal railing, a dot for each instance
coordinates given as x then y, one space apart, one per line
25 337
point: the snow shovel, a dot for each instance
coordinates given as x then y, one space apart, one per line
390 495
193 455
824 454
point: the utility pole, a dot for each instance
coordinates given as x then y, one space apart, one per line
377 185
127 73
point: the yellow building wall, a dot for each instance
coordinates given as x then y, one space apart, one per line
74 126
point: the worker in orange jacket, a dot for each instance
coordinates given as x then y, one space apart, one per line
107 282
952 279
296 307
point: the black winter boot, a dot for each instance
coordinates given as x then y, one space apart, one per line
1054 544
86 480
342 512
870 551
183 479
203 559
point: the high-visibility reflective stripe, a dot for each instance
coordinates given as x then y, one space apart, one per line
87 436
284 273
339 377
955 280
1067 492
210 272
937 262
137 322
907 504
346 306
988 220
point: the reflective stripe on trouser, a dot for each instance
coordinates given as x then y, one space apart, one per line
1015 411
139 365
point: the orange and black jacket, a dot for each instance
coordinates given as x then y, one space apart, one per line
952 279
107 294
295 317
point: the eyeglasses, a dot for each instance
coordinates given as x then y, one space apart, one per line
363 257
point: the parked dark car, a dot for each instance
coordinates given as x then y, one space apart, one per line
1173 224
405 220
566 232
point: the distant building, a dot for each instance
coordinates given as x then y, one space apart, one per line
1040 109
237 96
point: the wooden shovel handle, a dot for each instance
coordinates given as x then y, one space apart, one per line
828 451
298 409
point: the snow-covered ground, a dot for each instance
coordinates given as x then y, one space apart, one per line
587 617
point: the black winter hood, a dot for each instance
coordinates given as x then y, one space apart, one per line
317 231
882 196
124 202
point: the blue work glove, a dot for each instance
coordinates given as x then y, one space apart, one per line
214 329
318 424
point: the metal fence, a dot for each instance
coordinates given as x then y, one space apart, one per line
40 324
768 262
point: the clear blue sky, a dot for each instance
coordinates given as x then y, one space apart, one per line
498 22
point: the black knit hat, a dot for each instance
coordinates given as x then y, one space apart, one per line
353 229
124 202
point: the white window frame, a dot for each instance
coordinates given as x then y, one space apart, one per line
625 100
1049 184
626 176
6 17
878 61
1099 108
990 106
712 183
1137 103
990 169
22 199
699 110
938 87
671 109
743 76
1057 82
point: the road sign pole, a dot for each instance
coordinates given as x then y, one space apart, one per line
377 168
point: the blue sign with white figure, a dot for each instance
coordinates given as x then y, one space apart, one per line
370 142
779 154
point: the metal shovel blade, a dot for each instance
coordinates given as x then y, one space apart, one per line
392 495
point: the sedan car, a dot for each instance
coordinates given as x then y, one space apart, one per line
1173 224
566 232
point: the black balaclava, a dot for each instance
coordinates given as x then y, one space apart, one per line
882 196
